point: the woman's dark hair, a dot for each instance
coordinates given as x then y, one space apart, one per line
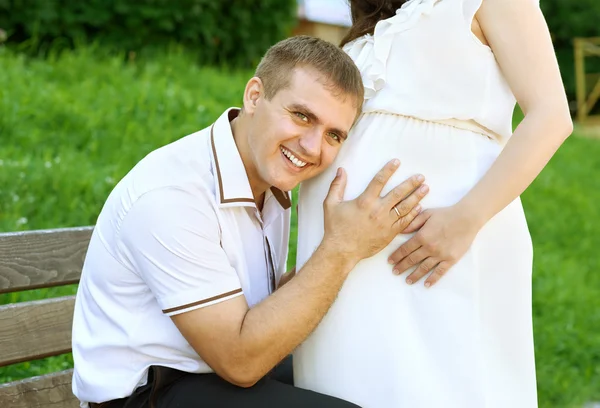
365 15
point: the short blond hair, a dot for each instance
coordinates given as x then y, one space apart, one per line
338 70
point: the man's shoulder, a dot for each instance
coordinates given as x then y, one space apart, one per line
182 168
182 159
185 164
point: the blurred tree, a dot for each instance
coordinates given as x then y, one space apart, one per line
233 32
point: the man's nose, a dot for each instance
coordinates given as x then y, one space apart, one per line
311 144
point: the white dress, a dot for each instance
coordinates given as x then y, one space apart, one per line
436 99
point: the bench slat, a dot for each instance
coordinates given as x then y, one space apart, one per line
37 329
39 259
47 391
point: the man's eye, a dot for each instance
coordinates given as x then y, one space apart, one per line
335 137
302 116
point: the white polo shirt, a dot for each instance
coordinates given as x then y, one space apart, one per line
180 231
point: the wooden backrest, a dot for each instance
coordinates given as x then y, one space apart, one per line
42 328
41 259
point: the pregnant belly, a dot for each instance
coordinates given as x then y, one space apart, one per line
451 159
382 335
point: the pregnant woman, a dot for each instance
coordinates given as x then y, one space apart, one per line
441 81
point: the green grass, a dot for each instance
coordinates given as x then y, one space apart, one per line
564 218
71 126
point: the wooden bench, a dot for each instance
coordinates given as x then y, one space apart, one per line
41 328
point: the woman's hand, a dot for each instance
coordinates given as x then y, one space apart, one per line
444 236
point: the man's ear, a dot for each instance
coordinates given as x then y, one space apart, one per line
252 94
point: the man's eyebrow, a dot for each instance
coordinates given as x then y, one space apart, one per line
313 117
306 111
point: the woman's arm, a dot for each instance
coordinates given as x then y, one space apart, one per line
518 35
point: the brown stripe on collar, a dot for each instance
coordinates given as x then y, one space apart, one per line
223 200
282 197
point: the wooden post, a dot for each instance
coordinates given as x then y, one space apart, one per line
580 88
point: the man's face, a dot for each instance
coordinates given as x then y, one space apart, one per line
298 133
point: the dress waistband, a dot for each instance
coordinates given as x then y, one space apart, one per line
469 125
472 126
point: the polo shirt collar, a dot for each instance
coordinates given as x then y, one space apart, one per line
231 181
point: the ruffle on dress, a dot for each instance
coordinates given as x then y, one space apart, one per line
370 52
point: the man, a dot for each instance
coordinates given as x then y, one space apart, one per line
176 305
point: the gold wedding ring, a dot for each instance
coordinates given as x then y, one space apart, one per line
397 212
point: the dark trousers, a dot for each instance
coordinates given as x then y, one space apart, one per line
168 388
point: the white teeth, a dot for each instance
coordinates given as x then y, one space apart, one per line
296 161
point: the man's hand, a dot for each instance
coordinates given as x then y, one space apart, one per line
444 236
362 227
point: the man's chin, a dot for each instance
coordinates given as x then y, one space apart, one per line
288 182
288 185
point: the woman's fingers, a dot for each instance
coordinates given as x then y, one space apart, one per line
423 269
404 250
437 274
411 259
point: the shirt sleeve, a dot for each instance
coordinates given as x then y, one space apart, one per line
172 239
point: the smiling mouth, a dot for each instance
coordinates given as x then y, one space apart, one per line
296 162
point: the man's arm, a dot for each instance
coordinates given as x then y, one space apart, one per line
287 277
243 344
